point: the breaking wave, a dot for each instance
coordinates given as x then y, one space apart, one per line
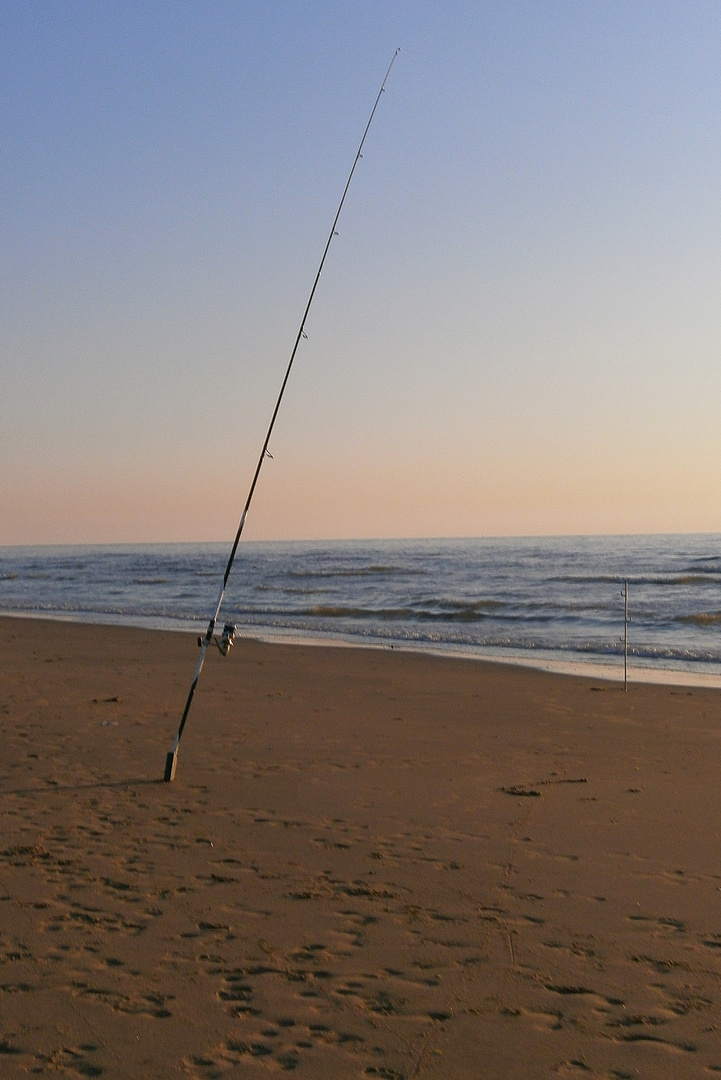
703 618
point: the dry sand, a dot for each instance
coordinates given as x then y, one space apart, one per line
337 882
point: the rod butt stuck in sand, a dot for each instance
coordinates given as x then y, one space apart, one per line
224 642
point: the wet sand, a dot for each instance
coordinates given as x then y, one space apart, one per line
371 864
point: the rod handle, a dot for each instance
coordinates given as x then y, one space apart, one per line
171 762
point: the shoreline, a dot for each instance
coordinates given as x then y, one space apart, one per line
608 672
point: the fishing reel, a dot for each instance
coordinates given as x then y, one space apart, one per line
223 641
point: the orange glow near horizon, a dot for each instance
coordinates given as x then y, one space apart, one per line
512 498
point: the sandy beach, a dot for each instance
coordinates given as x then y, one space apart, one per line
370 864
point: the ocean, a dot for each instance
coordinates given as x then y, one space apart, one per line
547 601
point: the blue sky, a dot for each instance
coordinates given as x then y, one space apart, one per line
518 327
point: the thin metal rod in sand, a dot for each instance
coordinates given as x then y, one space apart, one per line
625 635
172 757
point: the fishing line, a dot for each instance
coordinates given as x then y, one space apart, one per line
225 641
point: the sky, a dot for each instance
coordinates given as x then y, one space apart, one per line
518 327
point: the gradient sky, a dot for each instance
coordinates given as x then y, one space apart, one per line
517 330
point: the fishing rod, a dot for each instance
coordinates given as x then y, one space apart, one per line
225 641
